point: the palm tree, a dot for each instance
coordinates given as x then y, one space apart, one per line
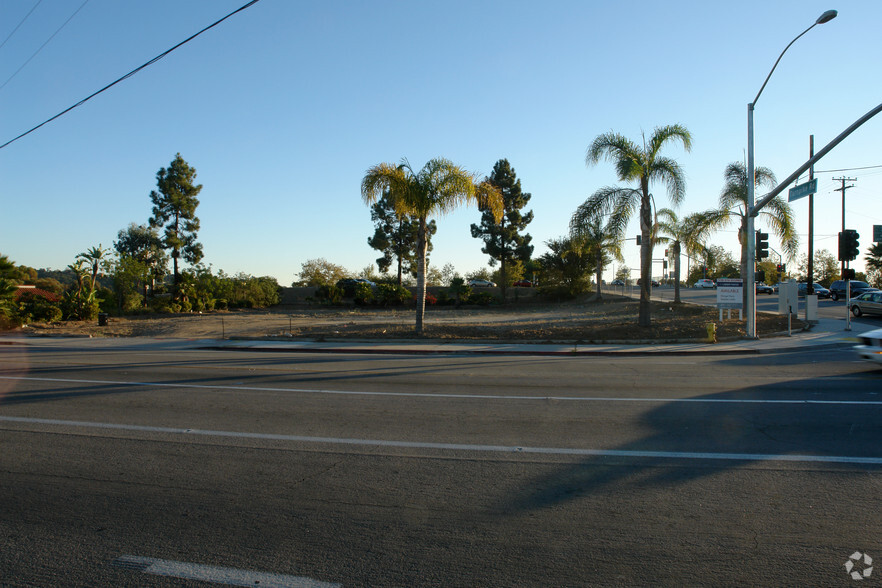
93 257
873 261
601 241
777 214
681 234
642 165
439 187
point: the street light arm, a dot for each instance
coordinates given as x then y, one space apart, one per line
763 87
792 178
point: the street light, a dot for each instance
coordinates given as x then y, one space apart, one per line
751 179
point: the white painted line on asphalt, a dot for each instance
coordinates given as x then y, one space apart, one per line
569 451
216 574
443 395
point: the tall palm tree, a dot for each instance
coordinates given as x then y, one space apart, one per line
776 215
439 187
681 234
601 241
642 165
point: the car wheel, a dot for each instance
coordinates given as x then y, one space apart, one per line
856 311
834 296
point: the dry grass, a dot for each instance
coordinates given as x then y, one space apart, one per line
614 319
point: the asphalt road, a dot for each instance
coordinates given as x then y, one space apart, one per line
121 463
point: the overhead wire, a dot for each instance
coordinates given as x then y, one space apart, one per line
9 36
52 36
128 75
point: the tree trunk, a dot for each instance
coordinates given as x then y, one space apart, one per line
421 276
503 279
599 272
644 317
676 271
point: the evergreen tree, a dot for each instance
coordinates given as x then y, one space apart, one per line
503 240
395 235
174 208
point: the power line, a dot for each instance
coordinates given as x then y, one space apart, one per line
128 75
829 171
9 36
52 36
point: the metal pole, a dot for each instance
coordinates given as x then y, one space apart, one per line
751 235
809 287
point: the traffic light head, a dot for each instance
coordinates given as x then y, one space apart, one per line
848 245
762 245
779 268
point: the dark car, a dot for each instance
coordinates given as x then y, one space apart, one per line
523 284
763 288
818 289
837 289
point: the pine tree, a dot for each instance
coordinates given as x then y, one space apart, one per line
174 207
395 235
503 240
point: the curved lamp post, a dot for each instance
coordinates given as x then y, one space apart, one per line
751 179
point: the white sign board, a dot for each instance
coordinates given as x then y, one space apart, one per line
729 293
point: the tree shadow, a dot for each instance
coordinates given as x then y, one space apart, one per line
804 420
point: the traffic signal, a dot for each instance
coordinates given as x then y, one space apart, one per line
638 239
848 245
760 276
762 245
780 268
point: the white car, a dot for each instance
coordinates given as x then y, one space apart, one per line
481 284
705 283
870 347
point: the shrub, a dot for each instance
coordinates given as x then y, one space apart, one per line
363 294
392 294
329 294
483 298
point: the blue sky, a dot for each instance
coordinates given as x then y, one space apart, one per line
283 107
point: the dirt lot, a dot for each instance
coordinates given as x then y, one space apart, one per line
613 320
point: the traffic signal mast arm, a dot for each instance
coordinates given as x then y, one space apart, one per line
792 178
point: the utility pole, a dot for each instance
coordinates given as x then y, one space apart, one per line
842 189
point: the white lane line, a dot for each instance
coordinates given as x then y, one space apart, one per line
442 395
216 574
569 451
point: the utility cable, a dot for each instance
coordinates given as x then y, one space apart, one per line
52 36
9 36
128 75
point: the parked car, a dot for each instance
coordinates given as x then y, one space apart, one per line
837 289
617 283
653 283
818 289
481 284
870 347
704 283
762 288
866 303
523 284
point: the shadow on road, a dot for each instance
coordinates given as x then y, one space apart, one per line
823 417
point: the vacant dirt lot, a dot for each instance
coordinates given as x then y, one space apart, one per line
613 319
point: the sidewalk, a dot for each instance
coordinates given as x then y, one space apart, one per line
827 333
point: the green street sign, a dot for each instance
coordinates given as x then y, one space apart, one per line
802 190
877 233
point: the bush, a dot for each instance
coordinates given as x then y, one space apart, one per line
483 298
392 294
363 294
329 294
36 309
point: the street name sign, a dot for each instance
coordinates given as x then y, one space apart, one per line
802 190
877 233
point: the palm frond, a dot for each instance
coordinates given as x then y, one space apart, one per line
662 135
